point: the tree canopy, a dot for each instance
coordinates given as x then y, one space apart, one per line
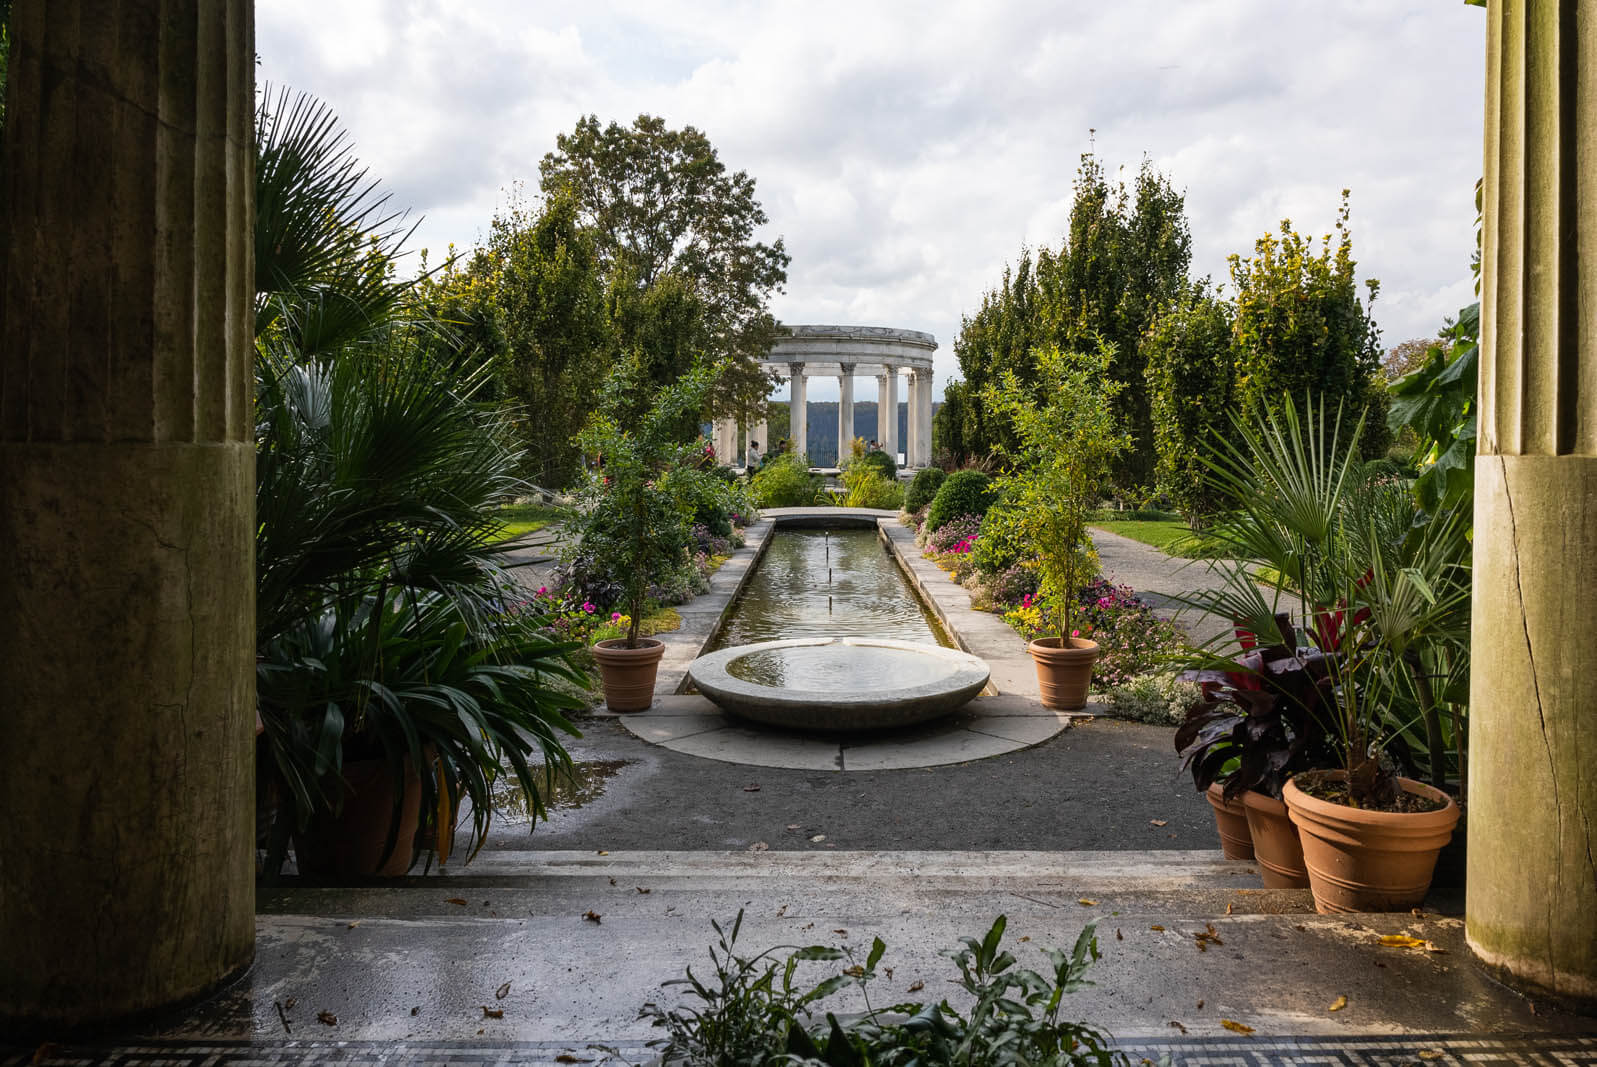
674 232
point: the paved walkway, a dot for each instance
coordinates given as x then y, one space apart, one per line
1157 578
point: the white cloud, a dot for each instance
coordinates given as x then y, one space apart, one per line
906 151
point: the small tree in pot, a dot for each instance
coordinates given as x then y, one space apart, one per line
632 519
1068 436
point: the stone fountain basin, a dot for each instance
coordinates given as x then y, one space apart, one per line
839 683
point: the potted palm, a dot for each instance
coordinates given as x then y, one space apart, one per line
1067 440
1340 717
633 520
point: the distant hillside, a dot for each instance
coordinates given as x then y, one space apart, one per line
822 417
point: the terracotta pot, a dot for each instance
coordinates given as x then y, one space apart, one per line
1063 673
352 844
1275 842
628 673
1231 819
1363 860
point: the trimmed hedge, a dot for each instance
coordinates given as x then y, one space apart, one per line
923 487
962 493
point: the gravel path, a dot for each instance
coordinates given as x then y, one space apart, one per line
1157 577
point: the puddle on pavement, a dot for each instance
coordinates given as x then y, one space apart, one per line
570 791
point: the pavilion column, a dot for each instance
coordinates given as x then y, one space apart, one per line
845 411
1531 908
923 417
762 434
911 422
127 593
797 411
887 403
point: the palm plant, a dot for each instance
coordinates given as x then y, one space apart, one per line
387 624
1382 594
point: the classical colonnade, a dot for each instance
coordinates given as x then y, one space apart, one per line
847 352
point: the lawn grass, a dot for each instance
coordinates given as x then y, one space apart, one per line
1167 535
519 520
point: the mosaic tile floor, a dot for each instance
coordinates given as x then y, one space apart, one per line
1416 1050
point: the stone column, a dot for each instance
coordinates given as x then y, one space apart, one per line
127 593
911 422
922 416
797 413
1531 908
887 402
845 411
762 434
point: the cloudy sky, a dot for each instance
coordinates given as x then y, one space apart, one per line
907 151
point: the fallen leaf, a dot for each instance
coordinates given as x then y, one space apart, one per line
855 971
1432 946
1084 902
759 846
841 933
917 986
1158 822
602 852
1431 1054
502 992
1200 1005
1401 941
1118 935
1228 907
1300 928
644 891
1236 1027
327 1018
416 1010
1338 1004
458 902
781 911
751 788
1178 1026
566 1057
1417 913
288 1004
612 881
794 826
818 838
591 916
1203 946
492 1013
1025 939
807 926
889 972
354 923
1157 929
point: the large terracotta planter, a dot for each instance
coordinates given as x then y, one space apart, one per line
1063 673
1231 819
628 673
1275 843
352 844
1361 860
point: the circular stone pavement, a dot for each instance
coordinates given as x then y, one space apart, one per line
987 726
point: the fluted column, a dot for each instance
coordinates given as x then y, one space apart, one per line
797 411
845 411
127 614
923 417
1531 906
911 422
887 402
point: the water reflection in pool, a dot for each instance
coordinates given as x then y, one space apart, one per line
827 583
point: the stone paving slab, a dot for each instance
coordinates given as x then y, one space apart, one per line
417 962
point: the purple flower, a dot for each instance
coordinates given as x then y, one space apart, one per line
588 607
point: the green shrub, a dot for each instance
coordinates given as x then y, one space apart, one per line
1002 543
962 493
785 482
868 489
923 487
1155 698
879 461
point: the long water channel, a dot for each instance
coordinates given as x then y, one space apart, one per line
826 583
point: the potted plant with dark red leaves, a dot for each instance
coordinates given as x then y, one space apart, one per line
1342 714
633 520
1067 439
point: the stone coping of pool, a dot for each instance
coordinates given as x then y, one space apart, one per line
949 679
1006 718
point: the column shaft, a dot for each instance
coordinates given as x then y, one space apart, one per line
845 413
889 405
127 607
798 413
1531 906
911 400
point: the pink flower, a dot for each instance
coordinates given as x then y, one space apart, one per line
615 616
1075 633
588 607
543 590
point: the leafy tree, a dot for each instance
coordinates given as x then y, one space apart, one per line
664 210
1191 377
544 276
949 439
1436 402
1300 327
1125 256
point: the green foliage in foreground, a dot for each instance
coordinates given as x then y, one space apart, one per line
923 487
962 493
752 1011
